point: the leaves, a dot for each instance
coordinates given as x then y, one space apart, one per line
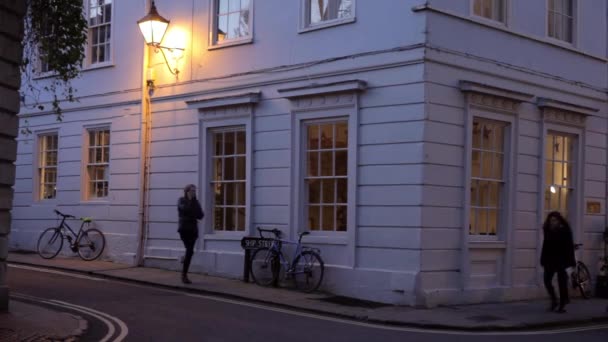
54 43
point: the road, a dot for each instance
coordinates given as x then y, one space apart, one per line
155 314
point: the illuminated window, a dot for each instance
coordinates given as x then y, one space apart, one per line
487 176
560 160
98 164
326 175
47 166
229 179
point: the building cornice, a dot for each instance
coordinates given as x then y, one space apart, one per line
324 88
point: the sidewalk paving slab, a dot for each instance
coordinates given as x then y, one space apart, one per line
29 322
523 315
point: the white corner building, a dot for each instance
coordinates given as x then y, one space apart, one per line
421 143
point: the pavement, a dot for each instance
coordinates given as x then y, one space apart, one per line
522 315
27 322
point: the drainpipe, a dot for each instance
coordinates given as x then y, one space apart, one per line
144 167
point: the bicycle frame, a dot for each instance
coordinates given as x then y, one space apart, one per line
276 248
64 224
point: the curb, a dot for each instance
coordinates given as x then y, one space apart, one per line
363 319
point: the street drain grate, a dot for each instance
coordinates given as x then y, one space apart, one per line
485 318
348 301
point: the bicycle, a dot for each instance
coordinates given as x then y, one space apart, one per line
268 264
88 242
581 278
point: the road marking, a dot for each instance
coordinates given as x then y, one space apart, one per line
30 268
88 311
294 312
123 327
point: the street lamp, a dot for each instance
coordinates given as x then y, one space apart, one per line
153 27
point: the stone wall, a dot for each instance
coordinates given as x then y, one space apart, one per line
11 31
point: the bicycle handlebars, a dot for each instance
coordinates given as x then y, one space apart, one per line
64 215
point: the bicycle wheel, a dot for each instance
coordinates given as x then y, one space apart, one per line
90 244
308 271
265 266
583 280
50 243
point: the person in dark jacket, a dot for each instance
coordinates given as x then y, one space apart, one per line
556 256
189 210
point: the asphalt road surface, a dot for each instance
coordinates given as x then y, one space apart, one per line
131 312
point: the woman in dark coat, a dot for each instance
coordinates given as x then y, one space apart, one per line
556 256
189 210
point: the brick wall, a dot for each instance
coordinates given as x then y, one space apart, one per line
11 30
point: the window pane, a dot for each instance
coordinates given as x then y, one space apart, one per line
342 191
229 168
554 200
241 193
341 218
218 139
313 164
230 219
329 190
493 195
241 168
222 28
341 163
341 135
327 136
548 172
244 23
499 138
549 147
233 25
240 219
328 217
244 5
482 226
314 217
568 149
313 137
240 142
564 196
476 135
473 221
475 201
230 193
219 191
229 143
218 218
476 164
327 164
486 167
223 6
234 5
314 191
492 222
497 166
217 169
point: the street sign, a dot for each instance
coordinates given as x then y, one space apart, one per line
255 243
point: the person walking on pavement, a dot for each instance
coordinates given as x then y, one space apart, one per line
556 256
189 210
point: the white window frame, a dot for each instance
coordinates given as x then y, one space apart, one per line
334 177
576 204
575 11
505 216
36 179
213 24
85 195
206 128
503 22
305 25
88 64
302 120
